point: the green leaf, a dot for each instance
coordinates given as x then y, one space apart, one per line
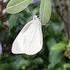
66 66
59 47
37 61
11 23
16 6
4 66
55 55
45 11
20 62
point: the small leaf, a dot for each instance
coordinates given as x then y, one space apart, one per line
16 6
58 47
37 61
45 11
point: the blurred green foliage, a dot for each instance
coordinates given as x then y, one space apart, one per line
51 57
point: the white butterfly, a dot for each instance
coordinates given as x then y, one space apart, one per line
30 40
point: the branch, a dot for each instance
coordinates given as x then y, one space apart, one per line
2 7
62 10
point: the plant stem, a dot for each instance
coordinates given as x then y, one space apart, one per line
62 10
2 16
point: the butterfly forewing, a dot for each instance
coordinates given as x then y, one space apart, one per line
29 40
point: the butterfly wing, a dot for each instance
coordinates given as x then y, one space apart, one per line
18 42
34 45
29 40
